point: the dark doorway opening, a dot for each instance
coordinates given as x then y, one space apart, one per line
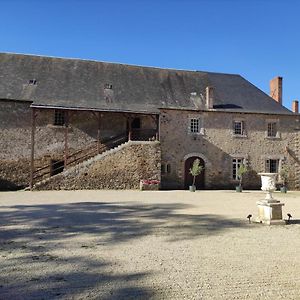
136 123
56 167
136 128
188 179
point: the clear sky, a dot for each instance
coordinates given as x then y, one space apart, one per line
259 39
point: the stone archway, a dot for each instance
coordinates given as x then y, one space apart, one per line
188 178
207 165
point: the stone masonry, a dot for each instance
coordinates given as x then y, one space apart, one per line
217 145
122 168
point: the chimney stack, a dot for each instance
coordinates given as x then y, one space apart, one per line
276 89
295 107
209 97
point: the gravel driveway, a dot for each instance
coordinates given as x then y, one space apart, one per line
146 245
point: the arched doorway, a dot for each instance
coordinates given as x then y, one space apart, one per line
188 178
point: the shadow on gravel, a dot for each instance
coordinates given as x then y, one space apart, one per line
112 222
292 222
35 230
89 281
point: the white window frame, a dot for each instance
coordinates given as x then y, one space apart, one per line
268 165
271 123
194 129
243 128
272 129
194 125
235 164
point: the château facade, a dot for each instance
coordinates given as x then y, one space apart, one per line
71 124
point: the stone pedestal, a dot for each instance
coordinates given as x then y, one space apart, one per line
269 209
270 213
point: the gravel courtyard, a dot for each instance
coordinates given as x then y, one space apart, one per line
146 245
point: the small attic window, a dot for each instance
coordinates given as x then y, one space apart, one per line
108 86
32 82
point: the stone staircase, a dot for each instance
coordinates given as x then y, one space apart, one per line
79 168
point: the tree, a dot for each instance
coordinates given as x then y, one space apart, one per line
196 169
241 171
284 174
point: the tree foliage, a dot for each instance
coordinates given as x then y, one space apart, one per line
196 169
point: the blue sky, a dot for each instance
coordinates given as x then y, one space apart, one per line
258 39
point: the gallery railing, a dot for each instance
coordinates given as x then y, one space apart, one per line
144 135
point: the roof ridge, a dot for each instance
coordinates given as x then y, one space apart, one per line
118 63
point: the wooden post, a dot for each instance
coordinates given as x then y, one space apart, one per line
129 128
33 117
157 128
98 132
66 139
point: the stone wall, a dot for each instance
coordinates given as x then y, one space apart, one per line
217 145
121 169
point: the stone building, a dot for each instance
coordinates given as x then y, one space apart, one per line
70 124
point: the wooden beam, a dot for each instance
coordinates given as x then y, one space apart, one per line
98 132
129 120
33 124
66 139
157 128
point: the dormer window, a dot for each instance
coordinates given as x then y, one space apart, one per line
32 82
108 86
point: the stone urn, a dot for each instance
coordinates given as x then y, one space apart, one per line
268 184
269 209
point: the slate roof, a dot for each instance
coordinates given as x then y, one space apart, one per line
76 83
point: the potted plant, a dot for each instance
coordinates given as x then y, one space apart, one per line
284 173
240 172
195 170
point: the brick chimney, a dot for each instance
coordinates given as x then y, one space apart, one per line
209 97
295 106
276 89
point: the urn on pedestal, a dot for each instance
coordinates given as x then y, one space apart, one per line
269 209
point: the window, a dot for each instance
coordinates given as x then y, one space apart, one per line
56 167
236 163
165 169
194 125
272 165
59 118
272 129
168 168
238 128
108 86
